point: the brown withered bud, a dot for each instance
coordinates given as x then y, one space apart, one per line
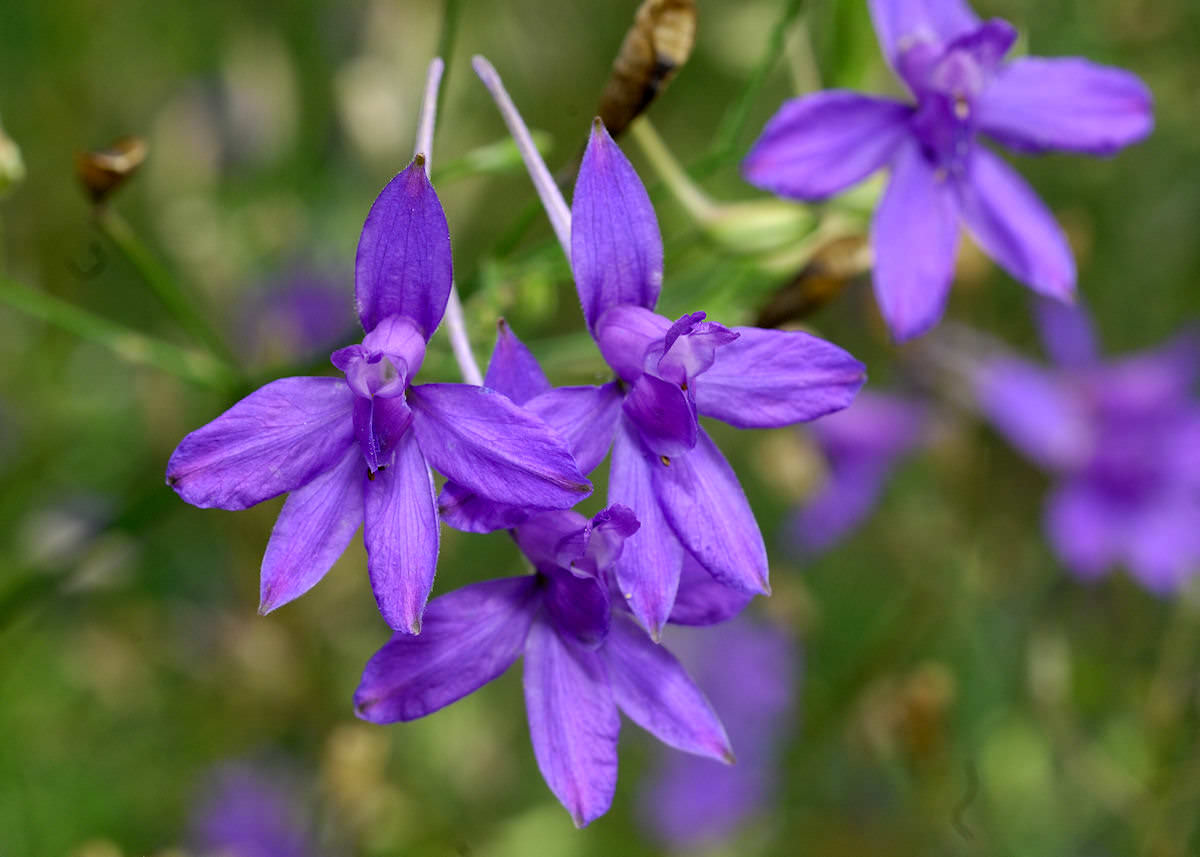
103 171
827 273
658 43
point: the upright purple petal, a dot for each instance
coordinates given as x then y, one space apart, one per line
706 508
773 378
616 248
401 535
1070 104
584 417
1014 227
276 439
313 529
403 266
513 370
1066 333
702 599
471 636
573 722
481 440
823 143
914 238
900 23
624 334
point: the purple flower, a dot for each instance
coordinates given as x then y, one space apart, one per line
954 66
750 672
1123 439
861 445
584 659
358 450
293 315
246 812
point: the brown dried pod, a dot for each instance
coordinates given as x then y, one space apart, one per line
103 171
831 268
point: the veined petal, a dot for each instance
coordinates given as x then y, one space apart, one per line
901 23
624 334
647 572
655 692
379 423
276 439
589 550
403 266
401 535
585 417
663 414
705 506
513 370
821 144
914 238
573 722
1066 333
702 599
471 636
313 529
1014 227
463 509
772 378
616 248
1070 104
481 440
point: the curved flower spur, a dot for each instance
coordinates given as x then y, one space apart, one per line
357 450
664 465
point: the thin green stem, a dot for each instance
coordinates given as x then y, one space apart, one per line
451 10
682 187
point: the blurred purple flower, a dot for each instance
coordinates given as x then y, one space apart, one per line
750 673
861 445
954 66
293 315
246 811
344 448
1123 438
584 659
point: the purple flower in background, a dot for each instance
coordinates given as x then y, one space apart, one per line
750 672
585 658
954 66
861 445
1123 439
357 450
293 315
246 812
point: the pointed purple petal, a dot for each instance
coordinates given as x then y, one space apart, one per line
513 370
573 722
481 440
663 414
821 144
624 334
1068 104
463 509
773 378
1066 333
900 23
914 238
313 529
1014 227
653 690
1085 530
403 266
1164 543
647 571
702 599
401 535
276 439
616 249
578 607
471 636
585 417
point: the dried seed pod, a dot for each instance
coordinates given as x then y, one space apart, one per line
822 279
103 171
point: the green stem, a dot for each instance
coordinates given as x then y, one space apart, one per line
198 367
681 185
446 41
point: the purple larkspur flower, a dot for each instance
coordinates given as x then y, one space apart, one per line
357 450
1123 439
293 315
750 672
954 66
585 658
861 445
248 811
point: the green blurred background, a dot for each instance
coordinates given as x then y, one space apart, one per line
961 695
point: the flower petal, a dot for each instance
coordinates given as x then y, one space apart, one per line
616 248
401 535
914 238
1070 104
655 692
585 417
1014 227
276 439
578 606
1066 333
481 440
821 144
403 266
513 370
663 414
702 600
1085 530
840 505
624 334
773 378
1164 543
379 424
463 509
573 722
899 23
471 636
313 529
705 506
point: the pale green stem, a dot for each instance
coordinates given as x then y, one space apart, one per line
694 201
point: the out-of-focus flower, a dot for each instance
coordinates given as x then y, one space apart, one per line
296 314
749 672
1122 437
247 811
344 448
861 446
954 66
